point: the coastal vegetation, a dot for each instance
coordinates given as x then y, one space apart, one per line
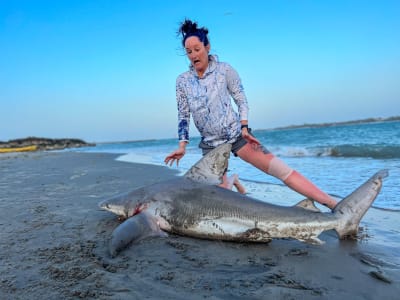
39 143
353 122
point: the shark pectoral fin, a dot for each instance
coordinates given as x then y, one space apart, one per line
211 167
131 230
308 204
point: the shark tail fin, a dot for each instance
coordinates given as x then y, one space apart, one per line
351 209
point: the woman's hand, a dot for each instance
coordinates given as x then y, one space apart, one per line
176 155
250 138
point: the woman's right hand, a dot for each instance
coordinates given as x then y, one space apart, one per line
176 155
250 139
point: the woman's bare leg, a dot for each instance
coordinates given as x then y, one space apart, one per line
234 180
302 185
293 179
226 184
231 181
238 185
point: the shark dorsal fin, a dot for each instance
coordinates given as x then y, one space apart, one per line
211 167
308 204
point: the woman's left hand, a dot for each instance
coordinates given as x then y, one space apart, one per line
250 139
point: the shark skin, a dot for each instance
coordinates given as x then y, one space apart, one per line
192 205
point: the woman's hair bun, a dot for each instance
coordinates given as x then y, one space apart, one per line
189 28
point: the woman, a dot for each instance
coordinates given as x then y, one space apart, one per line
205 92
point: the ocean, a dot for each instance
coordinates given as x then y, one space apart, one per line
336 158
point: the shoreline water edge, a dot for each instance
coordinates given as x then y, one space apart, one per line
54 243
336 158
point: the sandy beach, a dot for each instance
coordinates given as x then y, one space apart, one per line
54 242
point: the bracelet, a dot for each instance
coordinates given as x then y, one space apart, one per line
244 126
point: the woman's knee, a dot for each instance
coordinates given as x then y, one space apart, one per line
266 162
279 169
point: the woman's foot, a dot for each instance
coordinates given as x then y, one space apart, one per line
239 187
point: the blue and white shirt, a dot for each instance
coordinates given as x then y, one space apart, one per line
208 100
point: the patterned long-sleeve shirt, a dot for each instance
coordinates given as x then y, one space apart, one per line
208 101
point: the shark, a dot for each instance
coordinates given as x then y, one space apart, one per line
194 205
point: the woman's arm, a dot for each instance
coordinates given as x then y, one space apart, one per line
183 124
236 91
183 111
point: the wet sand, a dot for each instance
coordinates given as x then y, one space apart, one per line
54 240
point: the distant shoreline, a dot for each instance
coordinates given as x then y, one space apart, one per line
353 122
38 143
57 144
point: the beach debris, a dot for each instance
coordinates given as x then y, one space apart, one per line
297 252
380 275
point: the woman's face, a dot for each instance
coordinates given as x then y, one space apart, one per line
197 54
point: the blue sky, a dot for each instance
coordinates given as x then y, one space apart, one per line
106 70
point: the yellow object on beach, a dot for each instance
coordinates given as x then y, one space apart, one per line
18 149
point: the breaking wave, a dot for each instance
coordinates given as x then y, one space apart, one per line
346 150
373 151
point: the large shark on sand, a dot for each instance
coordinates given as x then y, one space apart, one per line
193 205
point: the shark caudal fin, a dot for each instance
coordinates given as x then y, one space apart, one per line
352 208
211 167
